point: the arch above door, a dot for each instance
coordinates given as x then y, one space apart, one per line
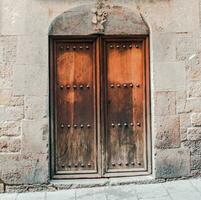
80 21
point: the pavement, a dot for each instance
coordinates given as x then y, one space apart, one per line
173 190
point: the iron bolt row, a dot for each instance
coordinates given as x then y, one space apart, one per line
124 46
124 85
76 165
75 126
125 124
74 47
127 164
75 86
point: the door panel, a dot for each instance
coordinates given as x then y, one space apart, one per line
125 135
76 147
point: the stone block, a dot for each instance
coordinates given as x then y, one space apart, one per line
6 98
30 80
194 133
165 103
11 113
35 136
164 46
194 73
195 162
194 89
168 132
8 49
32 50
196 119
169 76
36 107
185 120
183 134
186 46
10 128
8 145
172 163
24 168
194 146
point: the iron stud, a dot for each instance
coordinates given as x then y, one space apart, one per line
69 126
118 85
67 47
69 165
81 86
124 46
80 47
88 86
138 124
81 126
126 164
131 85
74 47
113 125
61 47
75 125
62 126
139 163
119 164
88 125
63 166
119 124
125 124
76 165
138 85
137 46
82 165
132 163
111 46
125 85
113 164
62 87
89 165
117 46
112 85
131 124
68 86
87 47
74 86
130 46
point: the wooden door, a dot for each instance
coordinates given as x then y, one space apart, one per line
125 107
75 103
99 107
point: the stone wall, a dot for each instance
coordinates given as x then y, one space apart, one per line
175 29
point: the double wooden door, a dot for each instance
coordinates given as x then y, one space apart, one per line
99 106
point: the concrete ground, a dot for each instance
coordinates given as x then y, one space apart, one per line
174 190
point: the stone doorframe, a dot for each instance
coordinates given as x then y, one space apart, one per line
100 19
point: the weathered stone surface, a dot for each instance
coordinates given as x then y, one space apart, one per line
193 146
36 107
30 80
2 187
185 120
194 133
194 73
10 128
194 89
10 144
6 98
186 46
168 132
35 136
166 103
11 113
172 163
164 46
195 162
169 76
196 119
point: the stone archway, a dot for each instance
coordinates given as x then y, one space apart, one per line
130 32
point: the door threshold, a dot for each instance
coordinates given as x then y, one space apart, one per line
99 182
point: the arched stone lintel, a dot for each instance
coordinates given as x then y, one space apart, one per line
78 21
